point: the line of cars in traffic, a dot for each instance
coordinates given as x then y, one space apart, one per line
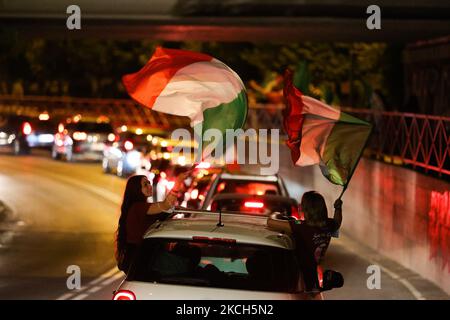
216 245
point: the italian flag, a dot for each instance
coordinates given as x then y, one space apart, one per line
319 134
191 84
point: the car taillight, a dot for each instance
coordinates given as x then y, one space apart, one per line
294 212
208 239
124 295
253 204
320 275
79 136
128 145
26 129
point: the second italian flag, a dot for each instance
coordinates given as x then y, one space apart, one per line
323 135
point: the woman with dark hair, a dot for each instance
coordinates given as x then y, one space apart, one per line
136 215
313 234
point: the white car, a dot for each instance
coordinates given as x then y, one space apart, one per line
195 256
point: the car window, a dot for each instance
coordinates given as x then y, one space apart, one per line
216 264
247 187
91 127
255 206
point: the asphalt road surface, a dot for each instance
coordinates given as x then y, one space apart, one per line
65 214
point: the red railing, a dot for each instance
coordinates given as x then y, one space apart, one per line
417 140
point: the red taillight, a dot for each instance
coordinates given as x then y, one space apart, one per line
253 204
221 187
79 136
207 239
128 145
124 295
26 129
320 275
294 212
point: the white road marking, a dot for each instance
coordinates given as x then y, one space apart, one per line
81 296
408 285
112 279
95 289
106 275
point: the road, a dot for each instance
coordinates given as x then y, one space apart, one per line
65 214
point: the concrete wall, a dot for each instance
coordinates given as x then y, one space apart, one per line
388 208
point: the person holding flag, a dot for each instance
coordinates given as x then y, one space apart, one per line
318 134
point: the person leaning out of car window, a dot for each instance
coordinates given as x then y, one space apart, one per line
137 215
312 235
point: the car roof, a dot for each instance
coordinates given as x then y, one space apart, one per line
250 177
243 228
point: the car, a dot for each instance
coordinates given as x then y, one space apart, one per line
255 204
82 140
193 256
124 154
22 133
198 185
227 182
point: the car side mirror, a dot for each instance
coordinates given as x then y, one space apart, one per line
332 279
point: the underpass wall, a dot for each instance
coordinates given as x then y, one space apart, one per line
400 213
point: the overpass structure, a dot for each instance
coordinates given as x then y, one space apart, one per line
231 20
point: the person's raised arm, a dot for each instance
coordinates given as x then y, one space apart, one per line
171 198
162 206
338 213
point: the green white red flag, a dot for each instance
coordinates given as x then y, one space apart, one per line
319 134
191 84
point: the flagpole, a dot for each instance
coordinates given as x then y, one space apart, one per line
357 161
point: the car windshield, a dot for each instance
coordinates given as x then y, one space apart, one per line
91 127
219 264
247 187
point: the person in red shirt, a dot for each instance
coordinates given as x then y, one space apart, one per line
312 235
137 215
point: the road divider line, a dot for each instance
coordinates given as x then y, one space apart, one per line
408 285
81 296
112 279
105 275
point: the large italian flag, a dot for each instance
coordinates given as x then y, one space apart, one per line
191 84
319 134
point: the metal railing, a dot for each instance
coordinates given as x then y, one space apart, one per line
119 111
416 140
